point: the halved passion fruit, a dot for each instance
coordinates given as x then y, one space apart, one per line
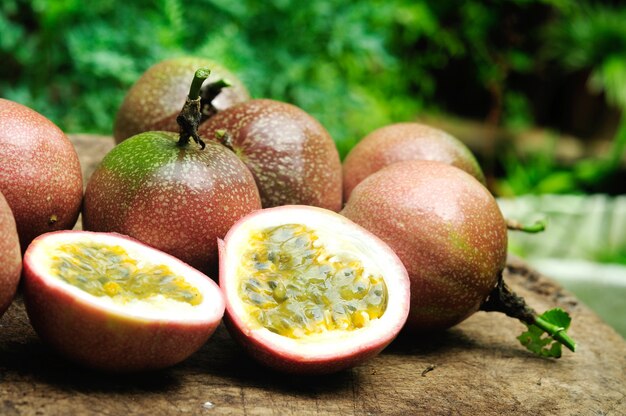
112 303
309 291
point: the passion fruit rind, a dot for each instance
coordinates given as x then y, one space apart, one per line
447 229
10 256
310 346
102 333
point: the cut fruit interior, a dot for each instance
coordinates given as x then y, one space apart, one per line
296 284
310 285
124 277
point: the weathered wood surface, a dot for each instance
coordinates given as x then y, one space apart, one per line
476 368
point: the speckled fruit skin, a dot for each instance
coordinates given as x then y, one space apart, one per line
179 200
40 175
446 228
103 340
154 101
405 141
291 155
10 256
327 358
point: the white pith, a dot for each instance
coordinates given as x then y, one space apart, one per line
155 308
339 235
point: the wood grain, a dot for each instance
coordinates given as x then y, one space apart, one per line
475 368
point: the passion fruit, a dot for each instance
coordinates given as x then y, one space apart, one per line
446 228
170 193
40 174
10 256
405 141
154 101
111 303
308 291
291 155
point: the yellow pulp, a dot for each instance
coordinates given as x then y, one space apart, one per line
107 270
294 287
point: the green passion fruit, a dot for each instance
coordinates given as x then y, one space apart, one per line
446 228
153 102
308 291
10 256
40 174
405 141
112 303
171 193
177 199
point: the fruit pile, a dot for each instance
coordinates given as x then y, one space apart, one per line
320 265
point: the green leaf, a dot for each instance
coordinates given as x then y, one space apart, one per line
541 343
543 346
558 317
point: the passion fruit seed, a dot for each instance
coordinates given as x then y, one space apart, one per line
294 287
108 270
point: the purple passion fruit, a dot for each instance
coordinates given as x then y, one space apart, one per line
405 141
446 228
10 256
154 101
308 291
40 174
112 303
179 199
291 155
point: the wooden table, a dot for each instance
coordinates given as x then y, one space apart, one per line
476 368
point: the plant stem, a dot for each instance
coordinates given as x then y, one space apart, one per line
503 299
537 227
208 94
556 332
196 84
224 138
189 118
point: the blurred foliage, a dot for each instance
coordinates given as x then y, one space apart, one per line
591 38
355 65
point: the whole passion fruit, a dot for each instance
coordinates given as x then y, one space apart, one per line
154 101
308 291
40 175
168 192
291 155
10 256
112 303
405 141
446 228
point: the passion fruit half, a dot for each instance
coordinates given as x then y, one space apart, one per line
308 291
112 303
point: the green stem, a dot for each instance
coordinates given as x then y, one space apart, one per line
537 227
196 84
503 299
556 332
190 116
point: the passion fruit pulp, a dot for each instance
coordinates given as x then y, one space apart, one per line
308 291
112 303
